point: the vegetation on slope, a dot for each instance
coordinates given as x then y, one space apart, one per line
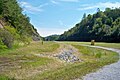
52 37
16 26
101 26
21 63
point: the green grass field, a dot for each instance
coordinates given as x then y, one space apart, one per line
21 63
110 45
76 70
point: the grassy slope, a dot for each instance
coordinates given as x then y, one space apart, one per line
20 63
36 47
91 62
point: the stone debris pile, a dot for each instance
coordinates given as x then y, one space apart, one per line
68 56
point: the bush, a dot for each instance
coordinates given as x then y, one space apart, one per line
6 38
25 39
13 32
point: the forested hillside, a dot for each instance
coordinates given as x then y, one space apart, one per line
52 37
101 26
15 26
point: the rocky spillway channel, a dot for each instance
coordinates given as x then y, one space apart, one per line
67 56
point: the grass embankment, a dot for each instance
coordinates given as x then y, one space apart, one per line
92 58
20 63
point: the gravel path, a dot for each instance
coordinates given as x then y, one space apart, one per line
109 72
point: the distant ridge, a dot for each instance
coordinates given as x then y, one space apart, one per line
101 26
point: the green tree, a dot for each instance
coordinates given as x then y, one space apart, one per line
17 24
101 26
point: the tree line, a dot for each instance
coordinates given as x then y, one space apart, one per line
51 37
102 26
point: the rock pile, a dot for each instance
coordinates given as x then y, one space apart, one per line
68 56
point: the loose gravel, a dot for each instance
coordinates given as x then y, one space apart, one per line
109 72
68 56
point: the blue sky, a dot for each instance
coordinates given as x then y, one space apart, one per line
56 16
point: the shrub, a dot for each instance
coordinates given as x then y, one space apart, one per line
13 31
25 39
6 38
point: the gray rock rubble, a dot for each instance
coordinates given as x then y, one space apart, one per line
68 56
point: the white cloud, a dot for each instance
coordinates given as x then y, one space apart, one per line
70 0
27 7
100 5
42 5
54 2
50 31
58 1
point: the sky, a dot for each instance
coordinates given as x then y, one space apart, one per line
56 16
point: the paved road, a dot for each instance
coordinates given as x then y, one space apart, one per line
109 72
